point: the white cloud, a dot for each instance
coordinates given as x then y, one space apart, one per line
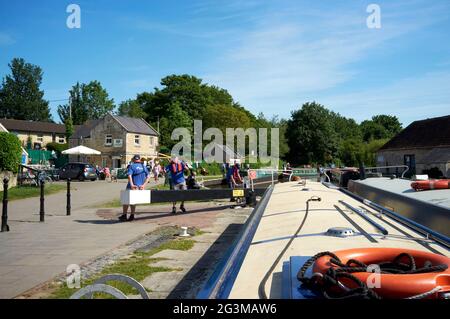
295 55
410 99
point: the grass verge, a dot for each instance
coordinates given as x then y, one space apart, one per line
138 266
22 192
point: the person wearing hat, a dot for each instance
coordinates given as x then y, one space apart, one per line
138 177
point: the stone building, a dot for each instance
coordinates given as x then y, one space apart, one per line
422 146
118 138
37 134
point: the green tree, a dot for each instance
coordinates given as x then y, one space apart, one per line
87 101
75 109
69 127
310 135
177 117
345 128
20 95
350 152
372 131
188 92
10 152
131 108
223 117
389 122
380 127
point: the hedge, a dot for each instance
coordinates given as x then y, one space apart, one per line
58 148
10 152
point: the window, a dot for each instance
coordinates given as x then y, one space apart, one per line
108 139
61 139
152 140
40 138
136 140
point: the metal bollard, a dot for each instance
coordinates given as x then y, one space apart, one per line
68 198
5 226
42 210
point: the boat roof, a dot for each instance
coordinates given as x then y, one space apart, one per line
403 187
283 215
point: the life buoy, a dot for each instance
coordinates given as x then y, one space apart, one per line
394 286
433 184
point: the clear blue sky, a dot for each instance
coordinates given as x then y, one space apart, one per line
272 56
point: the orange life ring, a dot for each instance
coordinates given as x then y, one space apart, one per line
433 184
394 286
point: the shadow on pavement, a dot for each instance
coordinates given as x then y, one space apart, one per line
195 279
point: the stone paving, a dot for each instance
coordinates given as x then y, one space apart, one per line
33 252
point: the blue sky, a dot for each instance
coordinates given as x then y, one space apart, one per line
272 56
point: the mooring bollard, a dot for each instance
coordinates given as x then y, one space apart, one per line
68 198
5 226
42 211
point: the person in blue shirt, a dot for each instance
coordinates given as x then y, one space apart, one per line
228 174
178 182
138 177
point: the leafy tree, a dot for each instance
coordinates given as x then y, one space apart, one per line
310 135
75 109
188 91
372 131
371 150
223 117
389 122
10 152
350 152
185 90
69 127
58 148
380 127
97 100
131 108
20 96
87 101
345 128
355 152
177 117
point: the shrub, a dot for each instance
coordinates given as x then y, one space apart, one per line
10 152
433 172
58 148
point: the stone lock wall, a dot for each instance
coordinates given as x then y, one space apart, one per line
396 157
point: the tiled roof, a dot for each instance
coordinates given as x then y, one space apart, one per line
135 125
32 126
434 132
131 125
85 129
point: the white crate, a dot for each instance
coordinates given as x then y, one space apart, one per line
133 197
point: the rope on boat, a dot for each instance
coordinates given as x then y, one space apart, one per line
324 282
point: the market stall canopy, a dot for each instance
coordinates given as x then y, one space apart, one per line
81 150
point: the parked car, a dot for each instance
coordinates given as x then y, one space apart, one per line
80 171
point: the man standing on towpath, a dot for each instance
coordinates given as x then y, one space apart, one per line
138 177
176 170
